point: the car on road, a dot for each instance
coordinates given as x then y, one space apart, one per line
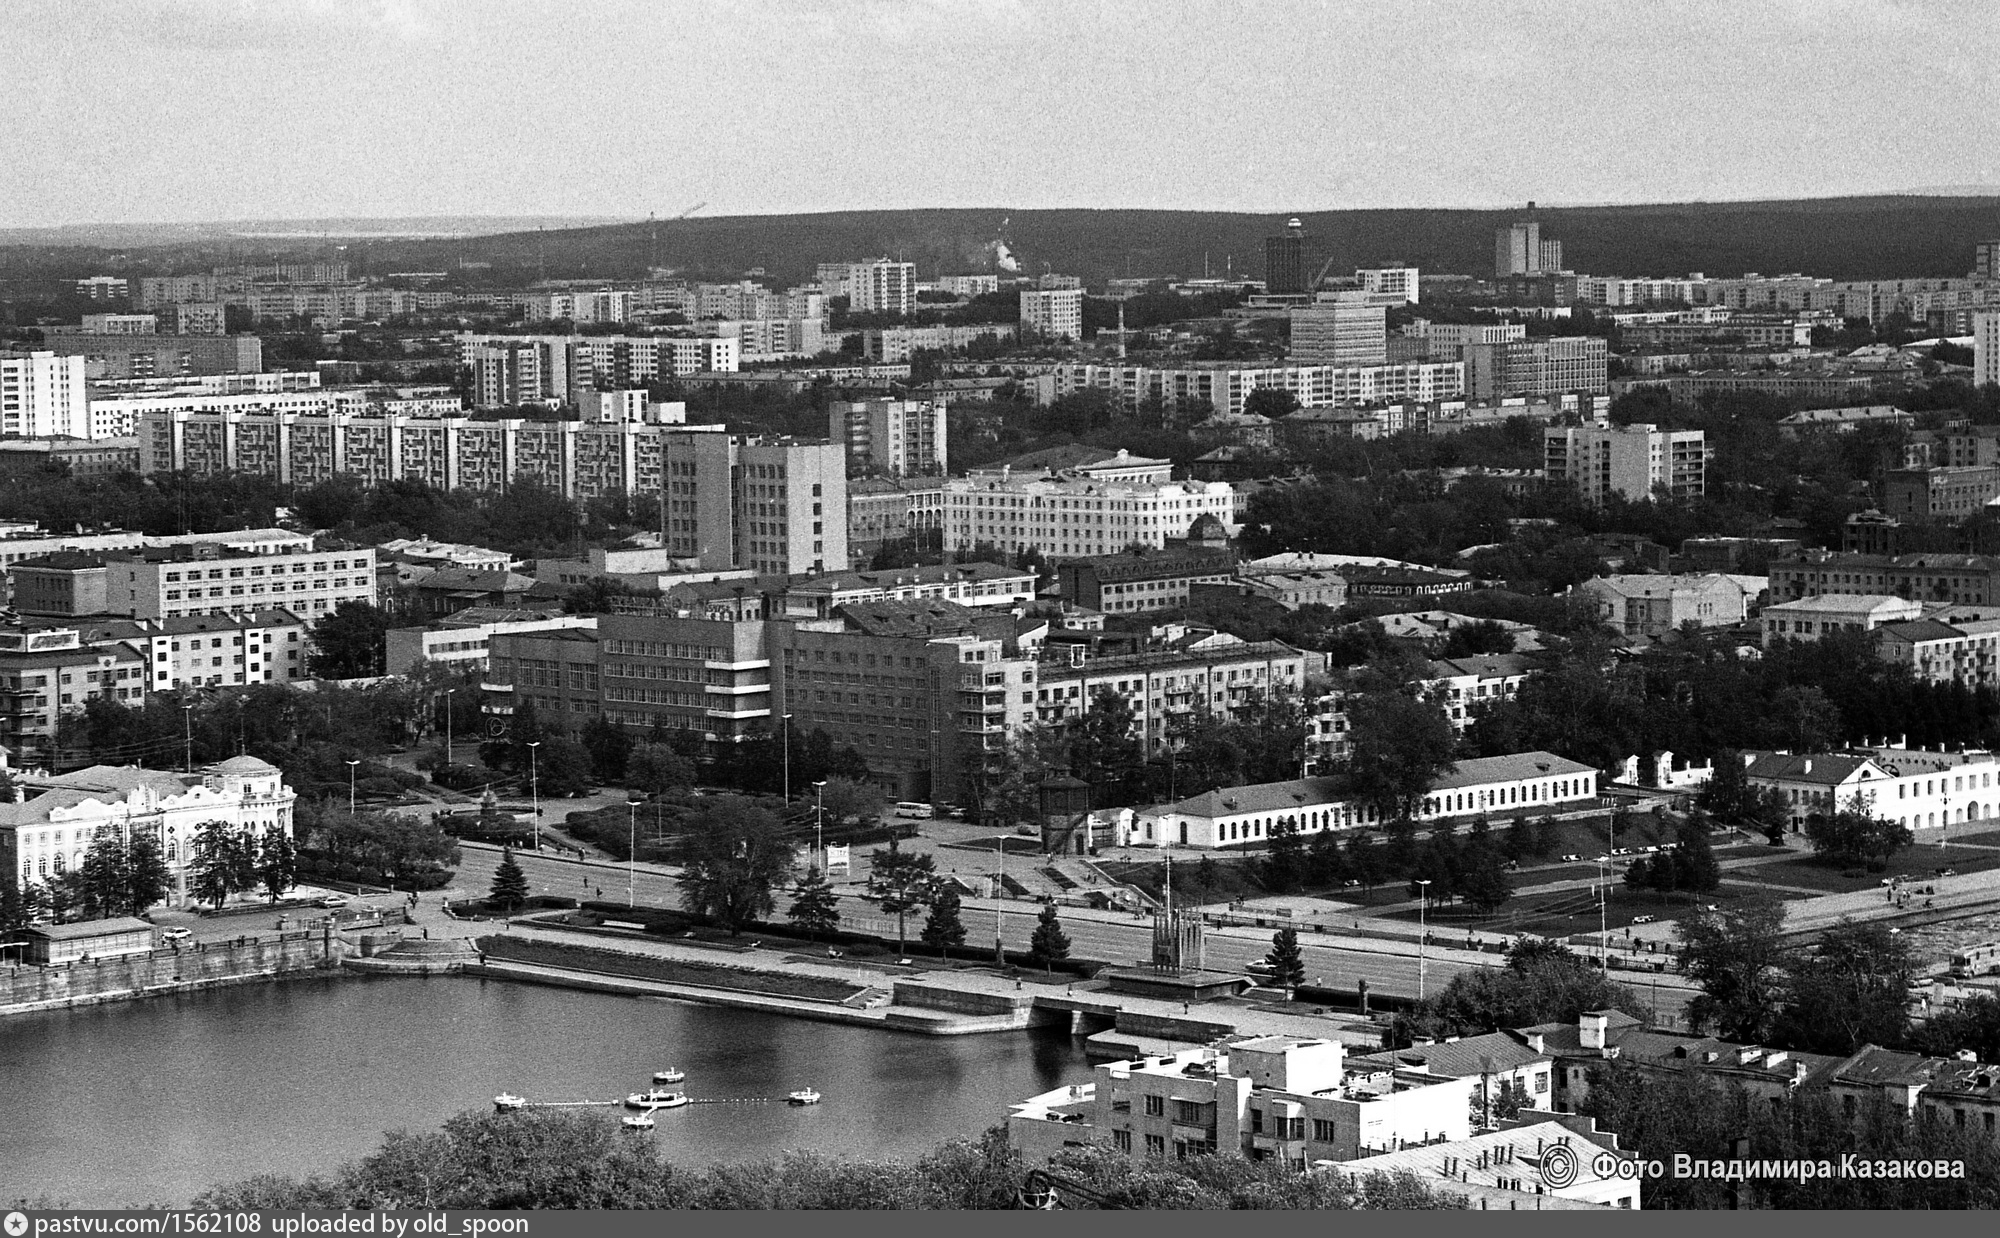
1260 968
176 933
334 900
1572 859
1642 919
1029 830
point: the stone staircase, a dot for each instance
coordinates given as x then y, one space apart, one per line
868 999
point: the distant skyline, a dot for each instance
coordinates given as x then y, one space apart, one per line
181 111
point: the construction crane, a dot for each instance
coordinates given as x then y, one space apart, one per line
691 210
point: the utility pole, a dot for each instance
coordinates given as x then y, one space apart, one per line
1423 933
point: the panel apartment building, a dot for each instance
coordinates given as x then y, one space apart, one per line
894 438
1226 385
42 393
151 356
561 367
1630 461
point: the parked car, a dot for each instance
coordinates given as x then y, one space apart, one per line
1029 830
176 933
334 900
1571 859
1642 919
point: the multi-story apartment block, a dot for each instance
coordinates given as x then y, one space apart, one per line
155 291
1390 282
149 356
770 505
571 364
1536 367
1811 618
115 324
1965 651
771 339
1819 386
967 285
196 318
47 672
42 394
1226 385
897 438
1933 494
103 288
894 344
882 286
1632 461
218 650
1052 314
1462 686
204 579
464 639
1076 518
1341 331
1986 348
504 374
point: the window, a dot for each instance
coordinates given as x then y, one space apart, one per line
1156 1146
1122 1140
1156 1106
1323 1131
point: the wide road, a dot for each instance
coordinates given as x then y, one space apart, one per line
1390 967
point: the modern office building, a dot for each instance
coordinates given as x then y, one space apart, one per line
1542 366
895 438
1390 282
1517 249
1631 461
42 394
1052 314
1286 261
1339 330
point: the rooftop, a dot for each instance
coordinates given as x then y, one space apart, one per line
90 928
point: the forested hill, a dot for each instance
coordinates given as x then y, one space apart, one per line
1843 238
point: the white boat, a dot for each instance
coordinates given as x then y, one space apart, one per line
804 1096
672 1074
638 1121
507 1102
656 1098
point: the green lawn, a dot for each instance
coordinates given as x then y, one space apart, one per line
1921 862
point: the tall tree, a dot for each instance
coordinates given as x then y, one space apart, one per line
1853 834
1048 944
905 881
351 642
817 907
1103 742
215 863
510 884
1284 867
1400 745
277 863
1735 958
732 861
1852 990
944 929
1286 961
107 876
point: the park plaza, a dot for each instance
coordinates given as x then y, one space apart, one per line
1235 816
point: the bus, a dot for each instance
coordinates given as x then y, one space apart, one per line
910 808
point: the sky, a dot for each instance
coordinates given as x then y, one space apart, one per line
131 111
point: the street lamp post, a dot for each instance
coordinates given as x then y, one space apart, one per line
351 767
1603 897
999 893
1423 933
632 856
819 824
187 720
447 724
787 724
535 790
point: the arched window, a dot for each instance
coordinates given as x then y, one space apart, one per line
45 866
173 853
59 862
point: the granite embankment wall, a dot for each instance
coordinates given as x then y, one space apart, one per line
197 966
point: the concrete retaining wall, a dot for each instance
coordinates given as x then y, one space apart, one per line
26 988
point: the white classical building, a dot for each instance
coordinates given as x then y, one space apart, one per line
48 835
1076 518
1911 786
1533 782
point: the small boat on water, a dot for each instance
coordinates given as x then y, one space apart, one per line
638 1121
507 1102
804 1096
656 1098
672 1074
